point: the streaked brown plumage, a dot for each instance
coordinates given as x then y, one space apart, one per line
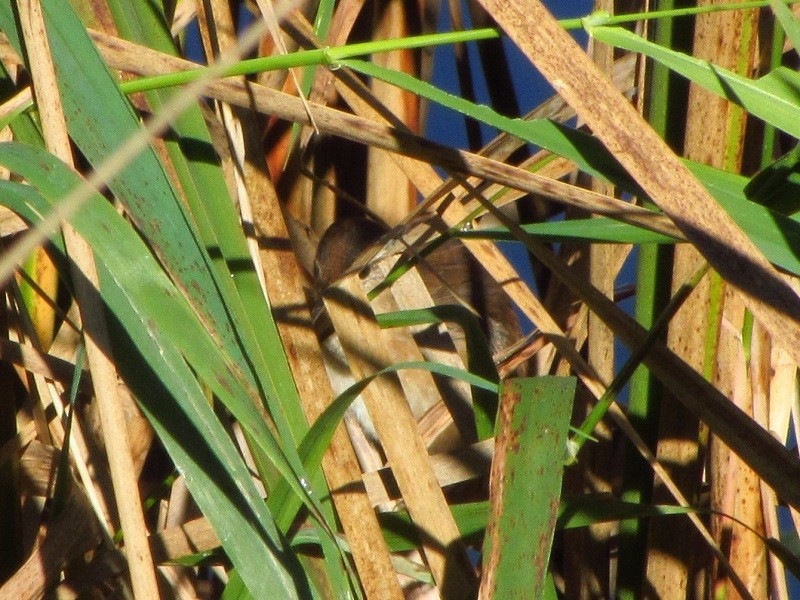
450 273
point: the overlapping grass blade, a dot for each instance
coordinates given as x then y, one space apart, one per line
776 241
190 149
219 229
142 279
527 470
203 185
91 96
774 98
600 229
147 341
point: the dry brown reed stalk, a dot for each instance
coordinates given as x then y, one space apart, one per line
488 256
348 307
384 120
284 287
715 136
96 340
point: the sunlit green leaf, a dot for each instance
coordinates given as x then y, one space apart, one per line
775 97
132 286
531 448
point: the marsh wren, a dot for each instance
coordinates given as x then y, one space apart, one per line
450 274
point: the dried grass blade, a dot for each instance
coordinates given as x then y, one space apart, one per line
104 373
148 62
355 324
451 467
32 359
653 165
287 297
70 535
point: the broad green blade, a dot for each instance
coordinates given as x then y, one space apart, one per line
99 119
146 296
213 213
787 20
527 470
776 235
219 229
168 392
600 229
777 185
91 96
235 588
154 296
773 97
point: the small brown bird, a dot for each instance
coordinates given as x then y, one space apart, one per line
450 273
341 244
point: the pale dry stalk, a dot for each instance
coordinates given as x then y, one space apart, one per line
97 341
